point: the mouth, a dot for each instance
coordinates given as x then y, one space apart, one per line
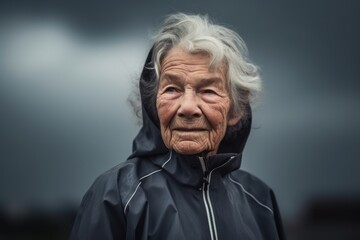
189 129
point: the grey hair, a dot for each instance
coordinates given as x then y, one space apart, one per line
196 33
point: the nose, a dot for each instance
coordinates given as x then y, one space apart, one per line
189 107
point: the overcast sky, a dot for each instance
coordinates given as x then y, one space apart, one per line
66 71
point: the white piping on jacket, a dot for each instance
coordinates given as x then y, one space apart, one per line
206 199
231 158
142 178
132 195
250 195
212 225
208 215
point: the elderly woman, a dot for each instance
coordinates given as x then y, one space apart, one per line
183 179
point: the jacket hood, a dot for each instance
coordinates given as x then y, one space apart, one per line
149 142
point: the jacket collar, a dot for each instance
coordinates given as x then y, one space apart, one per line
187 169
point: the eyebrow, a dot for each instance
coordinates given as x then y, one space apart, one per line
172 78
204 81
208 81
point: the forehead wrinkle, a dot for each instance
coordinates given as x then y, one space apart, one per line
172 78
179 66
186 67
210 81
200 80
203 80
183 63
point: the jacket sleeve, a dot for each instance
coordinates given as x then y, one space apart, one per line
277 216
100 215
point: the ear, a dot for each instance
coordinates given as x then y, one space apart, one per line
234 119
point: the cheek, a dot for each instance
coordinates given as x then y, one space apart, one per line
165 109
218 116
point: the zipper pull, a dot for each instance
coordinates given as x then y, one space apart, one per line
204 167
206 179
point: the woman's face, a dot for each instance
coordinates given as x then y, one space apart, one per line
193 103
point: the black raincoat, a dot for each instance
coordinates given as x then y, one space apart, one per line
160 194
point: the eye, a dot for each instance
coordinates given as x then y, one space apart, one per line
208 91
171 90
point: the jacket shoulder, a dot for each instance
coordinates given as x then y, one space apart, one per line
101 213
254 188
261 194
116 183
248 179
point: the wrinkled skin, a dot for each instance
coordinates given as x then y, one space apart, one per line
193 103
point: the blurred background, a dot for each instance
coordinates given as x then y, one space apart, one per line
66 70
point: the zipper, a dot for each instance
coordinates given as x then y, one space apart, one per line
207 200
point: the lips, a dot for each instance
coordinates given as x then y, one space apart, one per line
189 129
199 125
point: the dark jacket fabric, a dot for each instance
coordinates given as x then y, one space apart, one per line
160 194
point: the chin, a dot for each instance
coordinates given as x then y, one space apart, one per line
188 151
192 151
